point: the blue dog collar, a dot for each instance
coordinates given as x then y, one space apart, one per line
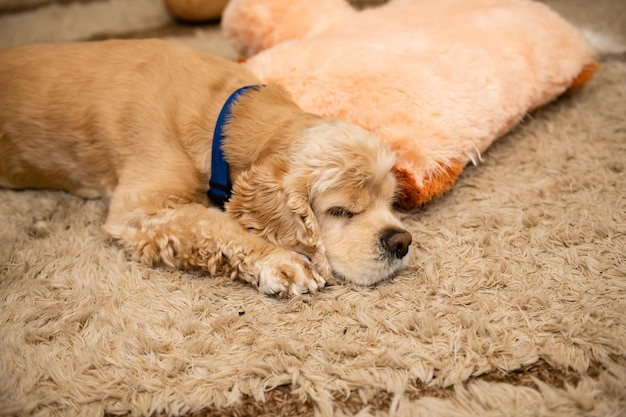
219 183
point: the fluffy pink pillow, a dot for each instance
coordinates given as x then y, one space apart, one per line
439 81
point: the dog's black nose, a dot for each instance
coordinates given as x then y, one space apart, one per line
396 242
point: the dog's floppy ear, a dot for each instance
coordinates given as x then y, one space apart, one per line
269 203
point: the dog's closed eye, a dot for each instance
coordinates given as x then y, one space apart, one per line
341 212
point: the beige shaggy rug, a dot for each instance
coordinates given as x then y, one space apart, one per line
514 303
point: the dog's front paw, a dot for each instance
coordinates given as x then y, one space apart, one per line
288 273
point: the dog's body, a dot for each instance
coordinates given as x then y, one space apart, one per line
133 121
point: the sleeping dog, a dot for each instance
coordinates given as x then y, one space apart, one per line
148 125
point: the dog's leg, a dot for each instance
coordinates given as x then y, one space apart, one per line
197 237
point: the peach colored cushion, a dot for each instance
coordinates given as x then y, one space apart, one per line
439 81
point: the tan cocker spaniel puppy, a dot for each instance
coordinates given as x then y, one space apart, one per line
133 122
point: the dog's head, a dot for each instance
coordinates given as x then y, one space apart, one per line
329 197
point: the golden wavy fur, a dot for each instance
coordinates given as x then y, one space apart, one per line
132 121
